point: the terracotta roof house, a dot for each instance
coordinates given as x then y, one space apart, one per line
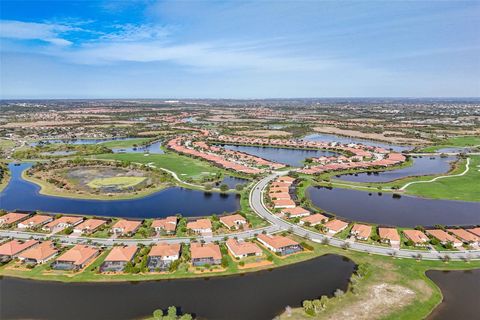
444 237
118 257
234 221
335 226
35 221
279 244
200 226
416 236
475 231
39 254
62 223
75 258
242 249
389 235
286 179
162 255
280 196
296 212
89 226
361 231
465 236
126 227
13 248
11 218
313 219
167 225
283 203
203 254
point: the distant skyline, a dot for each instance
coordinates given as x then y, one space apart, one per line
239 49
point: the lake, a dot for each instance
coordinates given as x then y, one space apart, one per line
291 157
153 148
420 167
259 295
461 294
407 211
232 182
24 195
325 137
77 141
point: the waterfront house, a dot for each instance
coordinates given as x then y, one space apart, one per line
416 236
37 220
203 254
465 236
475 231
89 226
11 218
13 248
62 223
125 227
389 235
314 219
444 237
167 225
296 212
38 254
76 258
162 255
234 221
242 249
361 231
283 203
200 226
279 244
335 226
279 195
118 258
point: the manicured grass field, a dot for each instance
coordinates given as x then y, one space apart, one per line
184 167
461 141
118 182
124 143
465 188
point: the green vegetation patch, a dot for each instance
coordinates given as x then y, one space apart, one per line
125 143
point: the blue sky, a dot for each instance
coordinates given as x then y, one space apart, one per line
239 49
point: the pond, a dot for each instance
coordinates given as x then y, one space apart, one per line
421 166
24 195
77 141
153 148
260 295
325 137
384 209
232 182
461 294
291 157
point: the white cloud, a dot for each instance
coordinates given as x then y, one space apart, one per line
131 32
35 31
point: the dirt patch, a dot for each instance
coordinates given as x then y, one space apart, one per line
376 302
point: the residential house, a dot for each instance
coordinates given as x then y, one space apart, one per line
361 231
234 221
203 254
38 254
76 258
89 226
279 244
283 203
162 255
465 236
12 218
475 231
296 212
36 221
167 225
416 236
313 219
126 227
13 248
200 226
62 223
118 258
444 237
243 249
389 235
335 226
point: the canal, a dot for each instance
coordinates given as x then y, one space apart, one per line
259 295
24 195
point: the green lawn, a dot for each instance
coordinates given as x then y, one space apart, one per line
185 167
120 182
460 141
465 188
5 144
124 143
